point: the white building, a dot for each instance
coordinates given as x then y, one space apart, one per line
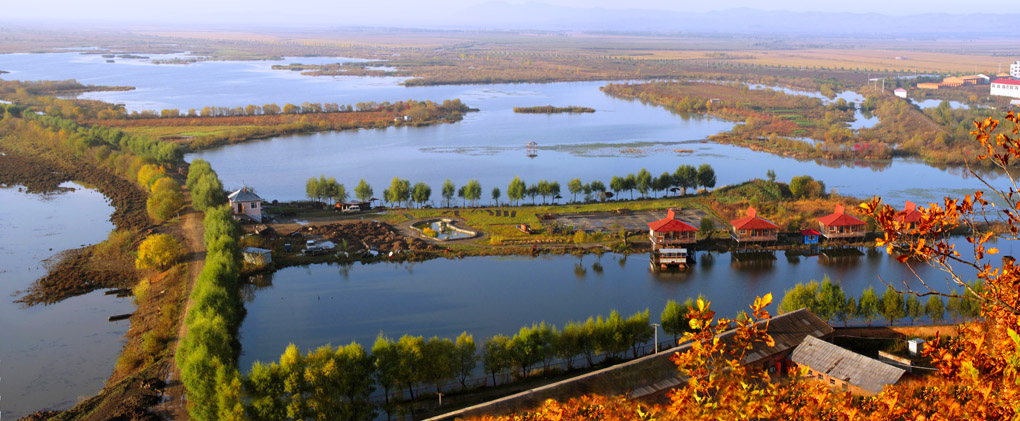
245 202
1014 70
900 92
1006 87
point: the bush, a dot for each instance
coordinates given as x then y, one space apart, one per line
158 251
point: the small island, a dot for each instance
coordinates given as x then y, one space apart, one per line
549 109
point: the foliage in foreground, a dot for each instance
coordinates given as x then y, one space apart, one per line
977 371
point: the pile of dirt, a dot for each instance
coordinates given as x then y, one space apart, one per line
375 235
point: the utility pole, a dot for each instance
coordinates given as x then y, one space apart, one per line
656 326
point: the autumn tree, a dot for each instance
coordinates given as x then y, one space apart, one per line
158 251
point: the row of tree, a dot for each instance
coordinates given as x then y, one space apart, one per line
828 301
401 191
207 355
205 186
416 110
336 383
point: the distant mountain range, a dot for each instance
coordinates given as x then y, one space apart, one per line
541 16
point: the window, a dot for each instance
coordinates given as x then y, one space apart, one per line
255 205
832 382
845 387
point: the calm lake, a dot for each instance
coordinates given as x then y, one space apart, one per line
334 304
621 137
51 356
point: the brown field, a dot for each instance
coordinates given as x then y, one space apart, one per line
884 59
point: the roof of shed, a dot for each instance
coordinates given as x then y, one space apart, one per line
866 373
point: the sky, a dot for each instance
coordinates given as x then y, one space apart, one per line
353 12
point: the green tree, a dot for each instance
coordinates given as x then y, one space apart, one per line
421 193
630 183
473 191
643 182
496 358
158 251
400 191
914 308
363 191
495 195
574 187
891 305
336 191
848 311
801 296
685 177
467 357
312 189
674 318
805 186
639 330
439 362
707 226
706 176
771 176
568 343
831 299
411 358
516 190
935 309
868 306
386 357
598 188
449 190
617 184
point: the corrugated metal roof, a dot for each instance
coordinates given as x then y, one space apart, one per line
866 373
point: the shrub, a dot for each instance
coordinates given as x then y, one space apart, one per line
158 251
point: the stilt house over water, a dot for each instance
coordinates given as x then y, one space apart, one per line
754 229
840 226
670 231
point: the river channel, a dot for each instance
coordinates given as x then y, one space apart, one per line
52 356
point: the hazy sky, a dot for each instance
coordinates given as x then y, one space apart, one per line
347 12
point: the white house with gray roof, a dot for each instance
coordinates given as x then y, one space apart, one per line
245 203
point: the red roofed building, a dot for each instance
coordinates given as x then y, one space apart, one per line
671 231
1005 87
909 215
839 225
751 228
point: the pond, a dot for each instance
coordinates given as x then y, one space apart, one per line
444 230
53 355
336 304
934 103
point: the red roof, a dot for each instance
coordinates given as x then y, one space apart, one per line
1007 82
810 232
909 213
753 222
670 224
839 218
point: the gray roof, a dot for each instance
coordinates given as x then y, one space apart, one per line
244 195
787 330
866 373
256 250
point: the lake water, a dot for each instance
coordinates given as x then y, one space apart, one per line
621 137
328 303
52 356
